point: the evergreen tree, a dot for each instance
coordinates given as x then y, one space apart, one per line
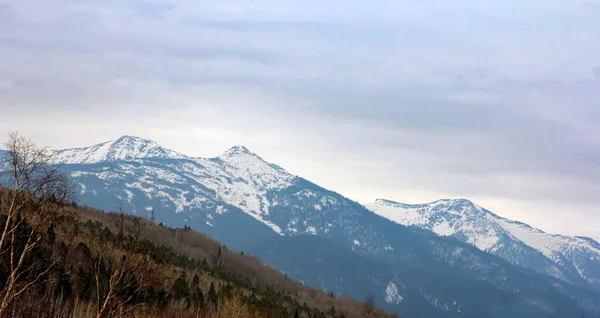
195 281
226 292
181 289
51 234
332 311
198 297
212 295
219 258
296 313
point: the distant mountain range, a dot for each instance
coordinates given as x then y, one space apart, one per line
572 259
431 266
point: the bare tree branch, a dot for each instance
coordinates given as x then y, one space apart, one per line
38 193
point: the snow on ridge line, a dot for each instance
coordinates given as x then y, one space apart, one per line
412 214
130 148
422 215
239 178
551 245
487 231
124 148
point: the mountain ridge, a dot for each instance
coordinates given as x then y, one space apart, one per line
462 219
243 201
123 148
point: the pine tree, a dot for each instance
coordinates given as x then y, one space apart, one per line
51 234
212 295
198 297
219 258
181 289
195 281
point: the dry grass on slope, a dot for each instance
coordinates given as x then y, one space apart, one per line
199 246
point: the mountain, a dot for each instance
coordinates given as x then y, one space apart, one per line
572 259
238 178
259 208
125 266
423 291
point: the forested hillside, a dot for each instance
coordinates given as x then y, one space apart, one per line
59 260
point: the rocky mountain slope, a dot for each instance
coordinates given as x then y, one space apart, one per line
254 206
126 266
572 259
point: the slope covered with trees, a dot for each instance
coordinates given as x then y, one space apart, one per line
58 260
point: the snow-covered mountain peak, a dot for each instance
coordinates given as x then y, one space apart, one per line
242 159
489 232
238 150
123 148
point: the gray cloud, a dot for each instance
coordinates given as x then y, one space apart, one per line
412 100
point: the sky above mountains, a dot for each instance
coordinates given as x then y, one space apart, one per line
495 101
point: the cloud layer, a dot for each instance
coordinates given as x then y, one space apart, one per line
497 101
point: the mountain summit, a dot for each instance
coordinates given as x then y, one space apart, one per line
238 150
573 259
124 148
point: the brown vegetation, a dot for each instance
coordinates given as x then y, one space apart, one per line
59 260
39 192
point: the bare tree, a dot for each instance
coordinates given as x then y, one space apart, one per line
38 193
120 272
369 307
121 217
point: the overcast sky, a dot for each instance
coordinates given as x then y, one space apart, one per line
409 100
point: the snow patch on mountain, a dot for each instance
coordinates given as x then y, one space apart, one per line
483 236
452 306
391 294
489 232
240 178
